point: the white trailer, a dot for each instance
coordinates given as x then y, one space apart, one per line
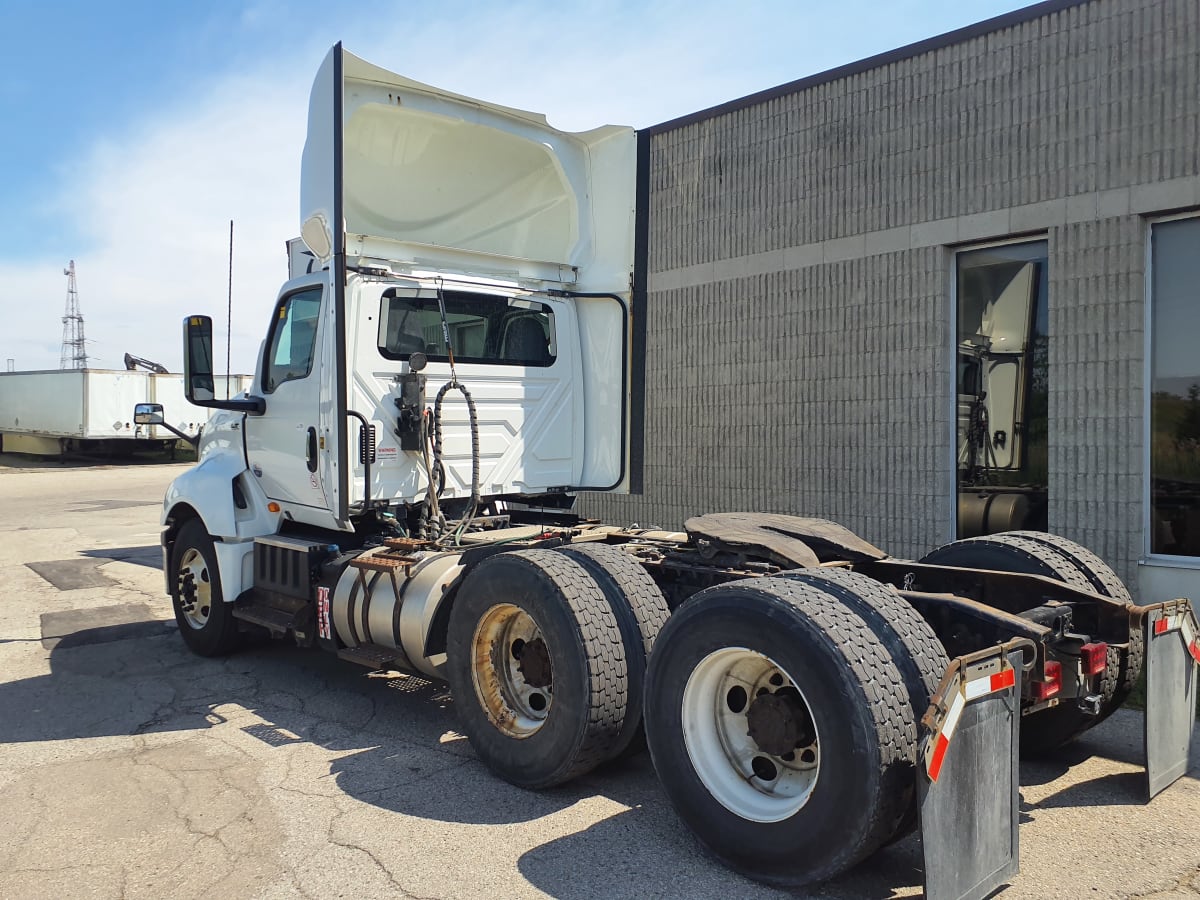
452 365
56 411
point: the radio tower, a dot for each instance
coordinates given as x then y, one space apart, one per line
74 352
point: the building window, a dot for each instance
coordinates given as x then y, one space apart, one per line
1175 388
1001 388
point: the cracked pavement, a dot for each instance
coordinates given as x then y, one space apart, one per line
131 768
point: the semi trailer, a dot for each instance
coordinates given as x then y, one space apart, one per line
449 364
60 411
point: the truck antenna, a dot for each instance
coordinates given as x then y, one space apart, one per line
229 313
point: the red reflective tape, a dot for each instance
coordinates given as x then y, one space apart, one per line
1161 626
1005 679
939 754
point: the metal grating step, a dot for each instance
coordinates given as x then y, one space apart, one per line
373 656
381 563
276 620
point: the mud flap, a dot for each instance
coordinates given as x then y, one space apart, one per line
968 791
1172 653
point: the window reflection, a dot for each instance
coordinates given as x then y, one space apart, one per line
1175 388
1001 388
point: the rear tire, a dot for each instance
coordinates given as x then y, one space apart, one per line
206 622
537 667
780 728
1108 583
907 637
1037 553
641 611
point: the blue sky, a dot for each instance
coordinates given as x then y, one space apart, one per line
132 132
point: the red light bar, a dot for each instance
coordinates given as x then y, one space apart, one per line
1051 685
1094 658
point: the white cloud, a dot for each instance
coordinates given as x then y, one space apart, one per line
153 197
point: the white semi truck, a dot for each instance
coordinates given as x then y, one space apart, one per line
449 364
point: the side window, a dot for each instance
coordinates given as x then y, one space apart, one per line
293 340
511 331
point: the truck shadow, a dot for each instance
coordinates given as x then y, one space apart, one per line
149 556
398 749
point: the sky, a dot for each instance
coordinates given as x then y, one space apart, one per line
132 132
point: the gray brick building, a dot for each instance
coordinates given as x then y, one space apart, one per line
815 310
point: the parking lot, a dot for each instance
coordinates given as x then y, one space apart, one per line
130 768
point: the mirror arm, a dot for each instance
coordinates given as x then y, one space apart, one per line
193 439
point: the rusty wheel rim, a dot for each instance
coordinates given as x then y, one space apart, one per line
511 671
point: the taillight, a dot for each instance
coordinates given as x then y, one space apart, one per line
1093 657
1051 684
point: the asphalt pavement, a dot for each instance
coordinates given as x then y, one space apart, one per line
130 768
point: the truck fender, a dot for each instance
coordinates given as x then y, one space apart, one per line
229 513
232 514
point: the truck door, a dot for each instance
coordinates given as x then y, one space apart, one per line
285 445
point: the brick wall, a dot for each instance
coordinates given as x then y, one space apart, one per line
800 255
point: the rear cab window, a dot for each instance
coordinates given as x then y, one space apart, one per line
483 328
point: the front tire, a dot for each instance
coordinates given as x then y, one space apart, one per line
206 622
780 728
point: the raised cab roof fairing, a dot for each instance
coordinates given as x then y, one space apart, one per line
431 178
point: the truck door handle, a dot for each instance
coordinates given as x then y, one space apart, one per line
310 453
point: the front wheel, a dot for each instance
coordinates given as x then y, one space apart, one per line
780 728
205 620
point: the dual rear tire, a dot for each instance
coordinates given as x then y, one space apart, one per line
550 657
781 716
1040 553
781 713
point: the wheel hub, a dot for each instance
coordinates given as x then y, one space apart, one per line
534 663
750 734
195 591
779 722
511 670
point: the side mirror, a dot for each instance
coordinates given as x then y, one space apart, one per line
198 359
198 382
152 414
148 414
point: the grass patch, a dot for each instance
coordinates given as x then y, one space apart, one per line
1137 697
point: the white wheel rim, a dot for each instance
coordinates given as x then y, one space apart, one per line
514 705
195 588
747 780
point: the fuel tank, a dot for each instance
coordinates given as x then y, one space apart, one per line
381 600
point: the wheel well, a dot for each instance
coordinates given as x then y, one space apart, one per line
180 514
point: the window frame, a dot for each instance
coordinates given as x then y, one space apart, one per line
269 347
545 308
952 358
1165 560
